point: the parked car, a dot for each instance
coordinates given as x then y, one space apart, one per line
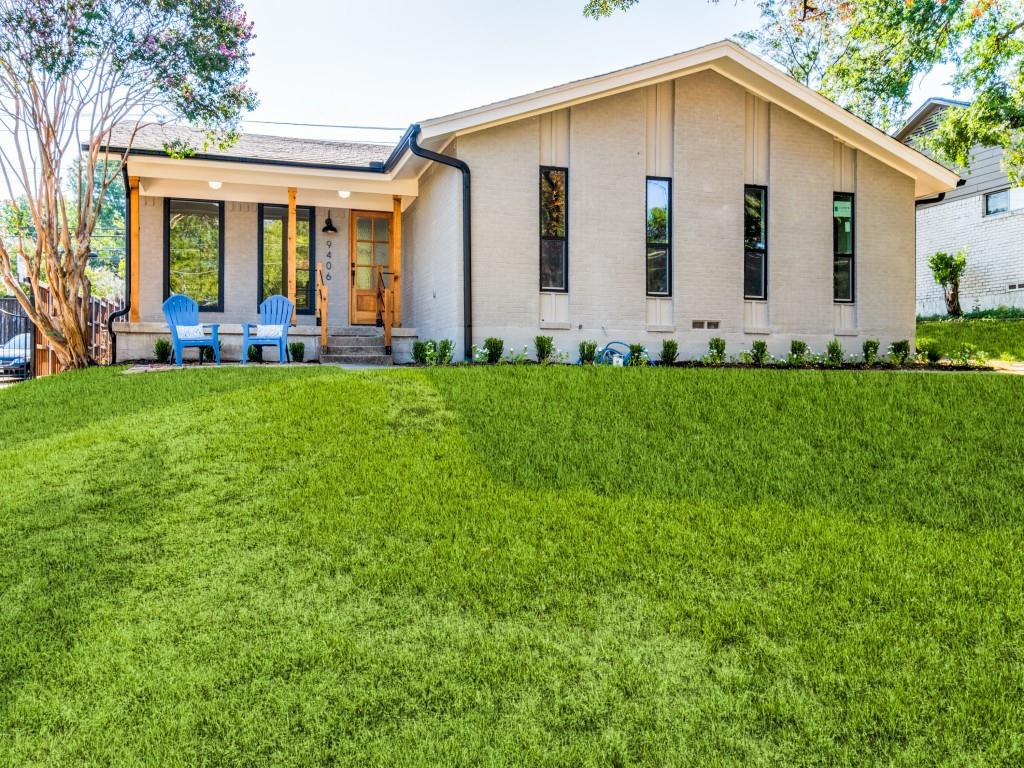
15 355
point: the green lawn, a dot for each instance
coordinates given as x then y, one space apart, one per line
512 566
1000 338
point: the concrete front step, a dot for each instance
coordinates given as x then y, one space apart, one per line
346 359
355 349
355 330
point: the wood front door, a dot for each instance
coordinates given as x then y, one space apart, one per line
370 247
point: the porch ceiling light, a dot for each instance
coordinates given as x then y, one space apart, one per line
329 227
344 193
214 185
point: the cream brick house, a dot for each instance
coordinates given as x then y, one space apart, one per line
703 194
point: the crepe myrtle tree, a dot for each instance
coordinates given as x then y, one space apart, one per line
867 55
70 70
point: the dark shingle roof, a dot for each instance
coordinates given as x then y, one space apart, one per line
250 146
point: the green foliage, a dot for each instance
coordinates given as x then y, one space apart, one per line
494 347
1002 339
929 350
254 354
669 351
834 354
419 351
947 270
588 351
517 356
596 9
1001 312
899 351
544 346
206 353
716 351
759 352
445 351
570 547
638 356
162 350
870 349
797 353
968 355
297 350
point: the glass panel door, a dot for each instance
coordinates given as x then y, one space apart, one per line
371 248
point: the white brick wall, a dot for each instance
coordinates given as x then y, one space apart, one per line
995 254
432 257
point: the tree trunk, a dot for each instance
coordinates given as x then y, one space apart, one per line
953 299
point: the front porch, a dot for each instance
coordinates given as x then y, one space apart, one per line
228 232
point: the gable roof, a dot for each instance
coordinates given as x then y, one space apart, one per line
923 119
153 138
729 60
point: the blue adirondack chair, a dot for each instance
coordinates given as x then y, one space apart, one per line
274 311
182 312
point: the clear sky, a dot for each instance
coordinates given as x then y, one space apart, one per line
393 62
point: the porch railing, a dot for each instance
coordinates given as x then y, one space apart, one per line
322 306
385 307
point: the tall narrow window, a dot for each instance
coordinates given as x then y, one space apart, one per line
273 255
194 251
842 246
755 242
554 229
659 236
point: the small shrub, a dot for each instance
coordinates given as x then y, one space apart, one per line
494 348
834 354
899 351
479 354
797 353
588 351
669 351
419 352
638 355
445 351
517 357
207 352
297 349
544 345
929 350
162 350
759 352
967 355
870 350
429 352
254 354
716 351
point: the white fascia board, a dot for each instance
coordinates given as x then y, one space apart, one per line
188 169
733 62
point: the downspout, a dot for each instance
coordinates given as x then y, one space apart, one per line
467 245
127 268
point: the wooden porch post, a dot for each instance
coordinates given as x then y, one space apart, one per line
396 257
133 248
291 249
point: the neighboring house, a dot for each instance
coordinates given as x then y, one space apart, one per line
704 194
985 215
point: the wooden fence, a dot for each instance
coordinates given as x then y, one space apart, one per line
13 321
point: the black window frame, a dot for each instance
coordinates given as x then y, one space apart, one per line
648 244
984 202
540 229
311 285
852 255
219 306
764 251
